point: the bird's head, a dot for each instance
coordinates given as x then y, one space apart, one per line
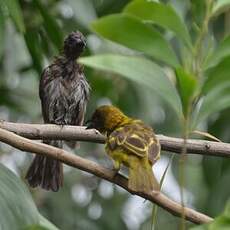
74 45
106 118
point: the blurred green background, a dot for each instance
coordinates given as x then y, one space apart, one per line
31 34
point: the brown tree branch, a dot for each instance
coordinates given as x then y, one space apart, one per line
160 199
38 131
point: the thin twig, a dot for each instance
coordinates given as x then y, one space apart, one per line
75 161
172 144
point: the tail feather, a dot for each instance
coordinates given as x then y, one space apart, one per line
141 178
46 171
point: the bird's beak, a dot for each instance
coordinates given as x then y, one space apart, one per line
89 124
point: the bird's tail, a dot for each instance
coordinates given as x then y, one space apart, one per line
46 171
141 178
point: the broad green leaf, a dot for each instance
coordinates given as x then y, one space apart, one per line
131 32
17 209
161 14
216 100
220 6
15 13
33 45
187 85
222 51
139 70
52 28
217 75
221 222
44 223
36 227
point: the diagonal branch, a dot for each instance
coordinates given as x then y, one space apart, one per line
160 199
172 144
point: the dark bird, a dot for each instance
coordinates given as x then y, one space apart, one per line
130 142
64 93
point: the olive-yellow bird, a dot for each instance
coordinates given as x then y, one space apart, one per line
130 142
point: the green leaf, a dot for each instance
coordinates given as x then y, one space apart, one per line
220 6
139 70
33 45
35 227
43 222
161 14
52 28
222 51
17 209
187 85
15 13
216 100
217 75
131 32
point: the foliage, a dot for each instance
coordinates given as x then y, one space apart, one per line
161 62
136 17
18 211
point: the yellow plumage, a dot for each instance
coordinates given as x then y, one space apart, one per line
129 142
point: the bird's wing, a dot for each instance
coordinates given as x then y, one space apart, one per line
77 105
136 139
154 150
51 95
45 77
79 97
